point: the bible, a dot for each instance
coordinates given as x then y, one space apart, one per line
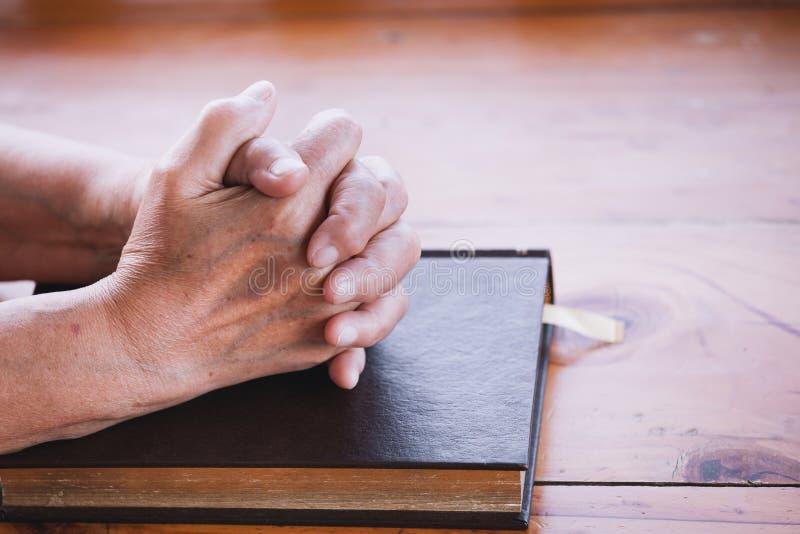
441 430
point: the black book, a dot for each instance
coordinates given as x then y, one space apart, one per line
441 430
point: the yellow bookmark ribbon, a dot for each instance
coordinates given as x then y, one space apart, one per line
592 325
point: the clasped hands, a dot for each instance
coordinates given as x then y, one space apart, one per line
226 202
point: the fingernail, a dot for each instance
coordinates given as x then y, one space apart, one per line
352 374
347 337
262 90
325 256
286 166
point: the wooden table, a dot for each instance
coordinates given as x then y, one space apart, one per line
654 150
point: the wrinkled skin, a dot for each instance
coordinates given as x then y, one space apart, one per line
218 278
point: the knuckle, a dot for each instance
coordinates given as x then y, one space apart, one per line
399 196
378 192
367 189
268 145
341 121
237 114
381 167
261 151
352 241
375 161
392 183
165 173
220 111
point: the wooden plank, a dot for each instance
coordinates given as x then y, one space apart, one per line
572 525
569 509
609 118
654 153
54 12
704 388
726 505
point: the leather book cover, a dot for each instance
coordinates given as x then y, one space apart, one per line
457 385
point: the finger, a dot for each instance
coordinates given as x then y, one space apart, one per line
206 149
396 194
270 166
386 259
345 368
326 145
357 202
369 323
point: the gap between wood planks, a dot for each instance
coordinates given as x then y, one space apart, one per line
666 484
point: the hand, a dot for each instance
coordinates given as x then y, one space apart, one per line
366 202
362 233
184 292
265 163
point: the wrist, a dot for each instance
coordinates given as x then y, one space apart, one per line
155 376
118 194
124 334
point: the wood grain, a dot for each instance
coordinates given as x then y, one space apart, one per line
700 391
641 117
653 150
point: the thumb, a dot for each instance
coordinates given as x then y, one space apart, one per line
197 163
